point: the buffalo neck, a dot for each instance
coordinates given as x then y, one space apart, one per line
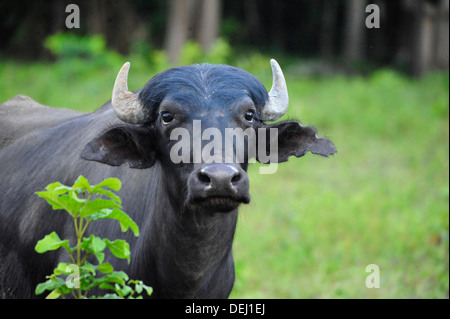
186 248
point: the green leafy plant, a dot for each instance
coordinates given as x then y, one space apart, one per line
78 55
87 203
219 53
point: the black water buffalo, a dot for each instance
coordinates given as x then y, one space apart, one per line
186 210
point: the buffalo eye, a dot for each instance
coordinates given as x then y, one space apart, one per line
249 116
166 117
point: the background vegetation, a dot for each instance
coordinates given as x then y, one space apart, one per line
413 35
313 227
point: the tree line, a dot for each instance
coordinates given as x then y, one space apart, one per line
413 34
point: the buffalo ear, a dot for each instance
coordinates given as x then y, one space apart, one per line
295 139
122 144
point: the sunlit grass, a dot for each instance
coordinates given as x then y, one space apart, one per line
314 226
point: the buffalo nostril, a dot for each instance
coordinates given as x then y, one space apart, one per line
236 178
203 178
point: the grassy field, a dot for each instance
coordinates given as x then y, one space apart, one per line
313 227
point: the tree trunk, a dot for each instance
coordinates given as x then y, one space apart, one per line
276 32
58 16
178 24
209 24
327 33
252 21
122 25
354 29
441 50
97 16
422 50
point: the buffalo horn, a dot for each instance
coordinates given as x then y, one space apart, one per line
278 101
126 104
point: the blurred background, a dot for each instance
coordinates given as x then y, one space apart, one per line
381 94
414 35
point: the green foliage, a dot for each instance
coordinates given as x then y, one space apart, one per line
192 53
80 277
69 45
74 51
220 53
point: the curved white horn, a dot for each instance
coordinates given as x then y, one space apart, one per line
126 104
278 102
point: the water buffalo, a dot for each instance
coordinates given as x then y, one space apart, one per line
186 210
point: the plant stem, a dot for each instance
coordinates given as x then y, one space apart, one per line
79 229
79 237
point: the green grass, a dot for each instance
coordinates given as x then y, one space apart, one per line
313 227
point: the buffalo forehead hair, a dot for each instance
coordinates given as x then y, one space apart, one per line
193 84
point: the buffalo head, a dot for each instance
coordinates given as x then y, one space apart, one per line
171 120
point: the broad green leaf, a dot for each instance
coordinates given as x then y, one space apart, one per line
75 196
86 281
119 248
86 242
109 194
51 284
105 268
51 242
58 201
113 183
55 294
126 290
97 281
138 287
125 221
105 285
88 267
148 289
71 205
100 256
118 277
52 198
40 288
101 214
82 183
62 189
96 205
94 245
98 244
61 269
57 188
118 290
